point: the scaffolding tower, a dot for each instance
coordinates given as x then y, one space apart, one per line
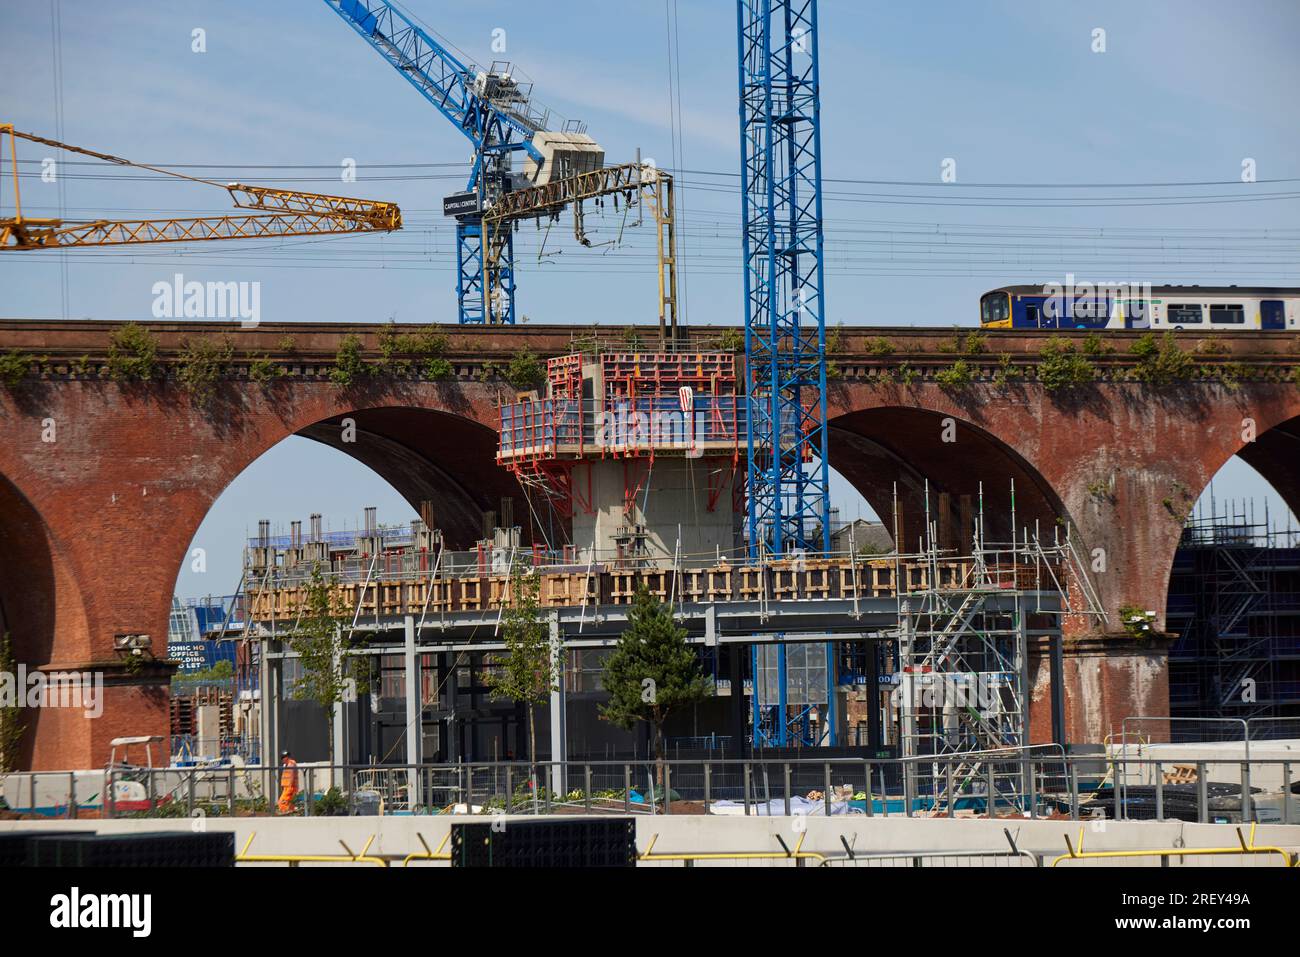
1234 601
963 633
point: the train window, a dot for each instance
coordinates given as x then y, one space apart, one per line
1184 314
994 307
1224 314
1031 315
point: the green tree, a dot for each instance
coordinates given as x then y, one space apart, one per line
318 640
528 671
652 672
11 722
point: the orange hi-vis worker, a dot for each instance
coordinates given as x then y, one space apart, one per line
288 783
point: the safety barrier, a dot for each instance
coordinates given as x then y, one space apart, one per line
1029 783
1245 846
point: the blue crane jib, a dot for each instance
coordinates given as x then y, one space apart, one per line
495 113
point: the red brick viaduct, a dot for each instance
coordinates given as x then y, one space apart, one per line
104 482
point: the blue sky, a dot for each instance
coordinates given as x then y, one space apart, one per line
1012 91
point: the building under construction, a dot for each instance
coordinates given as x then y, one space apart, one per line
1234 601
632 461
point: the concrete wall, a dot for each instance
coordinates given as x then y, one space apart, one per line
672 498
700 834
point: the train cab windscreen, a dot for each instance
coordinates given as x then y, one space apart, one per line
995 307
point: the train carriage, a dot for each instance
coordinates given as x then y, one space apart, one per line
1179 308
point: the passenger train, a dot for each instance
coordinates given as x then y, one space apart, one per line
1191 308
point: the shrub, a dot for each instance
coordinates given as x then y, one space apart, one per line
14 366
437 369
201 363
349 367
525 371
1060 367
1006 371
1161 362
878 346
330 804
956 376
1094 345
835 340
264 369
132 354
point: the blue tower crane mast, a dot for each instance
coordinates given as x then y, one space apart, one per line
785 323
785 340
494 113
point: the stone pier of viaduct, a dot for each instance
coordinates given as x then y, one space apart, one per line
105 478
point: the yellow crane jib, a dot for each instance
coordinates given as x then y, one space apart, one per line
286 212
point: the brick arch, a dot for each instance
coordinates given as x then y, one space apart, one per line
40 608
1123 460
1274 454
892 447
428 455
133 473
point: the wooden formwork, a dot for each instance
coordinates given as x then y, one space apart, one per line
469 595
659 582
786 580
916 577
500 592
752 582
622 586
392 598
360 598
883 584
561 590
818 575
789 581
694 584
721 578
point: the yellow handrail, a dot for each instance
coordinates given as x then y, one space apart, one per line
796 854
1246 847
429 855
293 860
